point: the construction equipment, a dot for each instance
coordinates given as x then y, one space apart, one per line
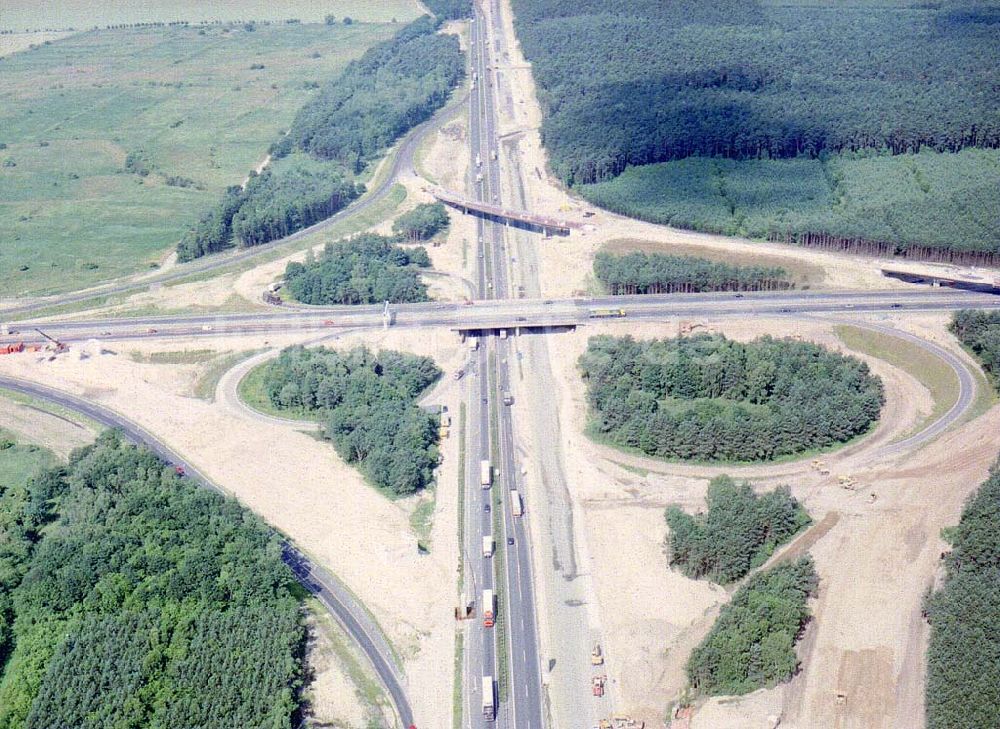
55 345
596 657
847 482
12 348
597 685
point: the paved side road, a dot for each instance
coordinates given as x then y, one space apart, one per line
320 583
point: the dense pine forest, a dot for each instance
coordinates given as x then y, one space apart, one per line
389 90
138 599
963 657
738 98
739 531
369 404
980 332
657 273
366 269
707 398
752 643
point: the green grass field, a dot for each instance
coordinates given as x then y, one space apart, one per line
930 198
19 461
23 15
183 102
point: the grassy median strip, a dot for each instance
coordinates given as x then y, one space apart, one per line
461 496
456 694
499 554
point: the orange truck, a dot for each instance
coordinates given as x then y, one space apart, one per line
489 605
12 348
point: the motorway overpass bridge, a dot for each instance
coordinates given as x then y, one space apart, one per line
506 216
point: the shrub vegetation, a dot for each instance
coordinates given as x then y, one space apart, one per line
752 643
657 273
369 403
366 269
980 332
711 399
739 531
144 601
963 657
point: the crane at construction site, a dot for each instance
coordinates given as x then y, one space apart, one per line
56 345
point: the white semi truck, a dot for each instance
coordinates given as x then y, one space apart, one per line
489 707
485 474
487 547
515 502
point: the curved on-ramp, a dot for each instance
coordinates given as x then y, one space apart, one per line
336 598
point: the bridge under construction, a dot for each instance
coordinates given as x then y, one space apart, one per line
507 216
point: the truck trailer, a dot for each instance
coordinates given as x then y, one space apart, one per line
489 605
515 502
487 547
489 706
485 474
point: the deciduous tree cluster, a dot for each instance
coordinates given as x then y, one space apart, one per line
422 223
752 643
711 399
148 602
963 657
450 9
739 531
366 269
657 273
980 332
369 402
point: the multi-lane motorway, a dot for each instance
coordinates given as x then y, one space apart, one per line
494 314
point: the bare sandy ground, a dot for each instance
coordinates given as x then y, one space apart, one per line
58 432
874 559
332 697
300 486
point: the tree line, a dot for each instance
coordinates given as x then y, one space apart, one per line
450 9
963 656
752 643
146 601
980 332
393 87
707 398
366 269
658 273
635 83
369 403
422 223
739 531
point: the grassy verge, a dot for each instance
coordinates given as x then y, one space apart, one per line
456 693
204 388
251 392
20 460
422 521
461 495
184 356
366 685
53 409
929 370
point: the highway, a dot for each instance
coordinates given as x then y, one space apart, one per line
494 314
320 583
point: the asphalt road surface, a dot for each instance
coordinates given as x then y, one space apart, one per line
494 314
333 596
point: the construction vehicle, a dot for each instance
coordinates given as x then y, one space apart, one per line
596 657
489 605
12 348
56 346
487 547
489 707
517 508
606 313
847 482
485 474
597 685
